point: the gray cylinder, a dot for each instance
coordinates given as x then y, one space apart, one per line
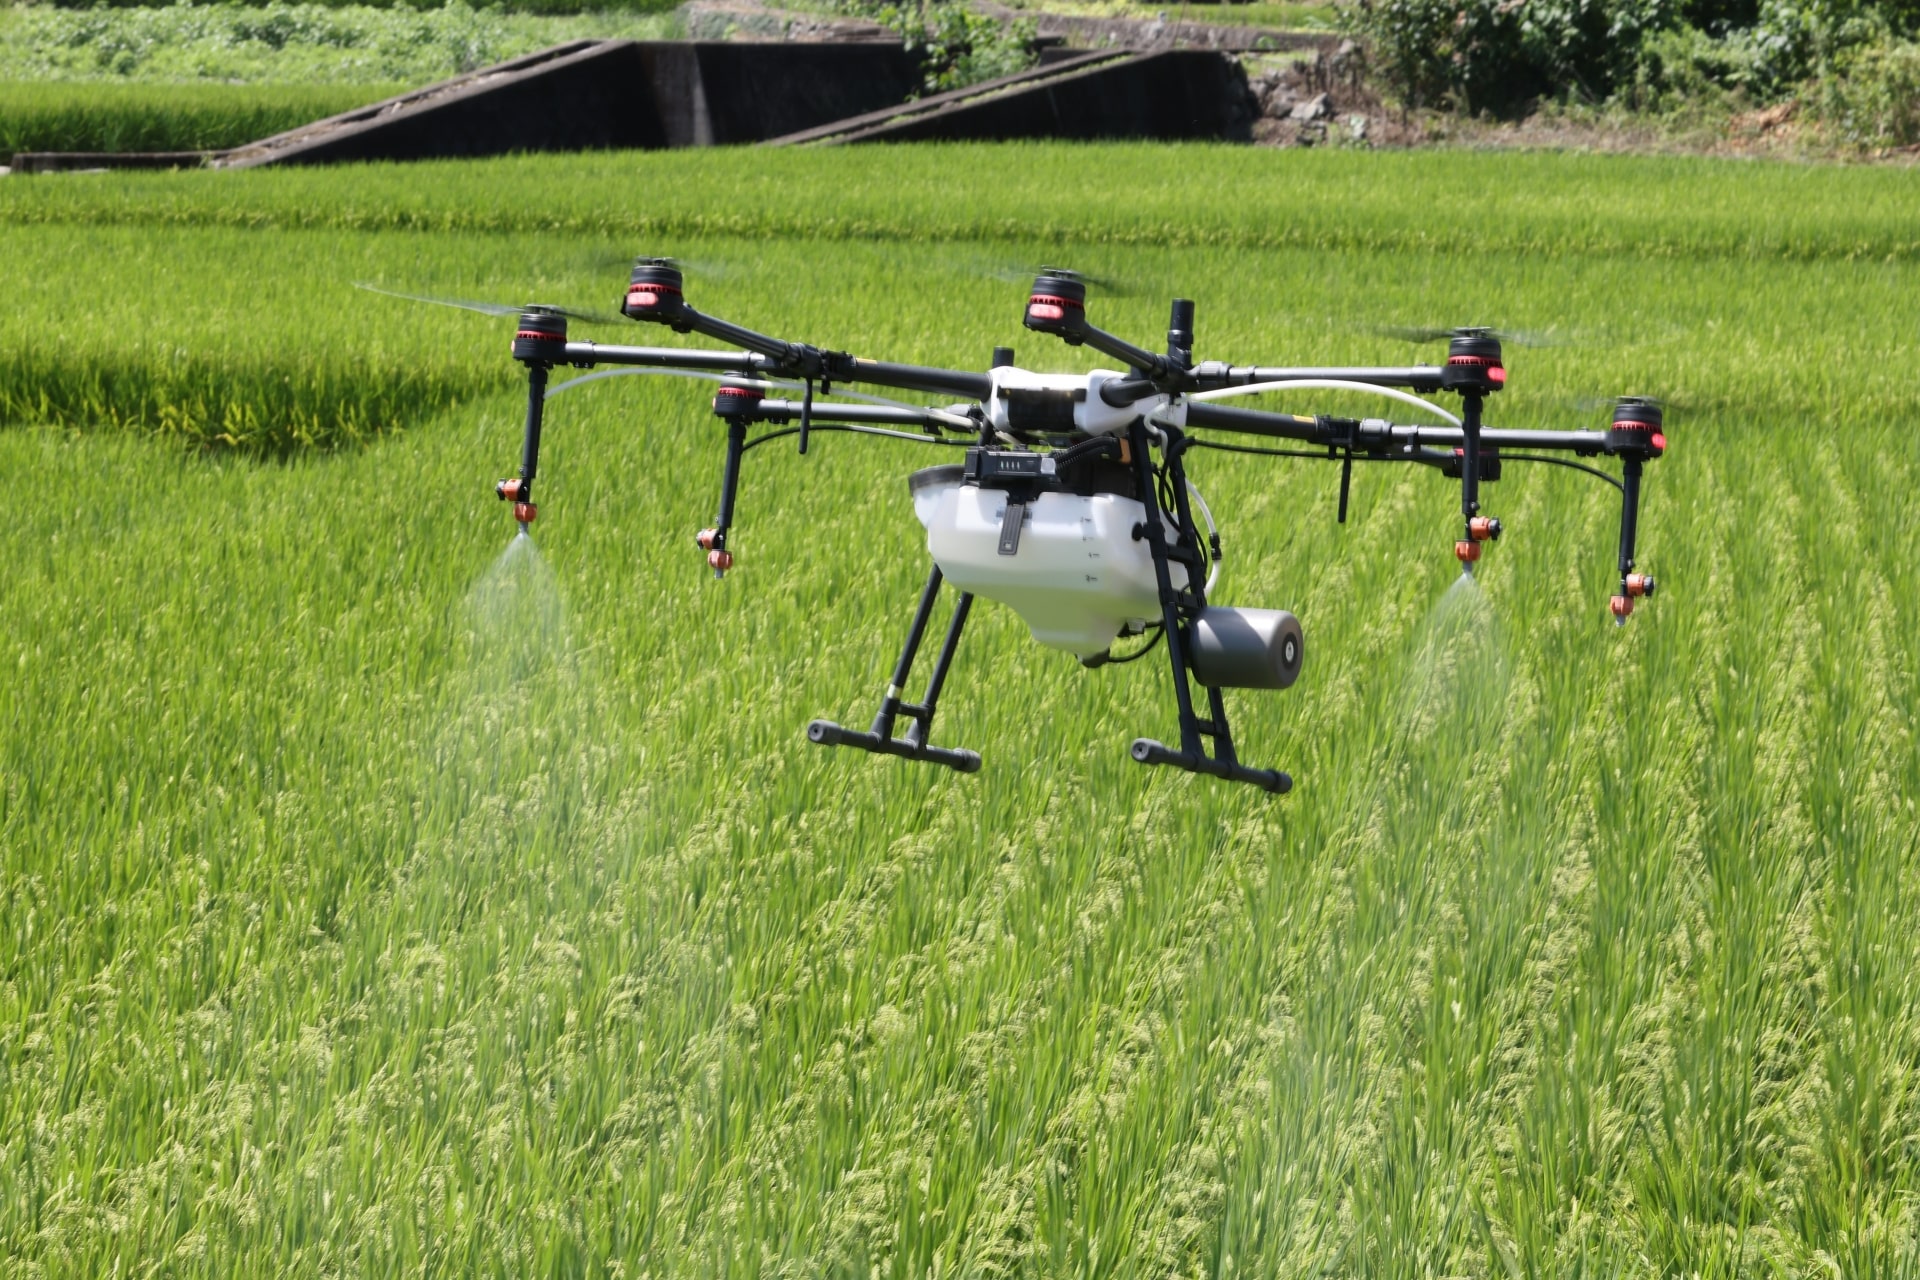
1246 648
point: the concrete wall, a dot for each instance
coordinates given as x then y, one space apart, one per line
609 94
1174 95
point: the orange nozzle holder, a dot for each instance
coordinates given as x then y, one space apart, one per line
525 512
508 490
1466 551
1484 529
706 538
720 562
1622 606
1640 584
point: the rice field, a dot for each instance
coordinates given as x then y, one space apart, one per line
387 896
40 116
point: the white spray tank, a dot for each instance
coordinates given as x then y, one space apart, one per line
1077 577
1070 566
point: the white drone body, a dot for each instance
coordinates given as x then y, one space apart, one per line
1075 574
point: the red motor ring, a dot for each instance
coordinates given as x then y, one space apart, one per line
1495 371
730 400
1466 551
1622 606
525 512
1043 306
720 561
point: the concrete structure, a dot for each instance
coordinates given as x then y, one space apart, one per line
598 94
1177 94
607 94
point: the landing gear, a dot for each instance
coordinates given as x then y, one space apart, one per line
914 746
1178 610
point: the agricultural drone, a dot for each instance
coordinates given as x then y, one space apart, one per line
1072 505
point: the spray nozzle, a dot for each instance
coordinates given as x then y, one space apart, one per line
714 543
1484 528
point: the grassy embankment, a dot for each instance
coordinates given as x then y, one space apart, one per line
141 116
376 902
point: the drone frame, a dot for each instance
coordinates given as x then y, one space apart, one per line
1469 451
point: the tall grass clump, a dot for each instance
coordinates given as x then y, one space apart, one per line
389 894
42 116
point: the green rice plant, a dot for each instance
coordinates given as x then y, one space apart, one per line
41 116
1653 209
386 895
295 44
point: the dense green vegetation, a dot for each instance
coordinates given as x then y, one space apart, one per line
290 44
381 901
1853 64
41 116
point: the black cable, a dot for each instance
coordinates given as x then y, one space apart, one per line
1267 453
1376 457
859 431
1562 462
1313 454
1159 633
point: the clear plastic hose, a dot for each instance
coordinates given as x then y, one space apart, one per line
1325 384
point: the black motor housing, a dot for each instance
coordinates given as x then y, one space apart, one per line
1636 427
1473 363
541 337
1058 305
654 292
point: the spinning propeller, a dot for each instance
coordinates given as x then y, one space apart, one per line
1510 337
495 308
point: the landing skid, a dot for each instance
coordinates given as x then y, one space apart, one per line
914 746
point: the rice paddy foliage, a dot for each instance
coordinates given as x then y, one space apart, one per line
292 43
387 894
43 116
1670 209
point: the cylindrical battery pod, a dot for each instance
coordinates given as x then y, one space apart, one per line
1246 648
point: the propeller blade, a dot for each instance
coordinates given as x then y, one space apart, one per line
1507 337
491 308
1015 271
1605 404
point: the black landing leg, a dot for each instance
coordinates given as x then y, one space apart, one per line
914 746
1176 609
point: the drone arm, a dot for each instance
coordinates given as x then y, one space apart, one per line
1215 374
1153 366
780 412
1258 422
915 377
782 352
587 354
1375 435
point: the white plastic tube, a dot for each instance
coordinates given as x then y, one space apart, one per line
1213 531
598 374
1325 384
940 415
